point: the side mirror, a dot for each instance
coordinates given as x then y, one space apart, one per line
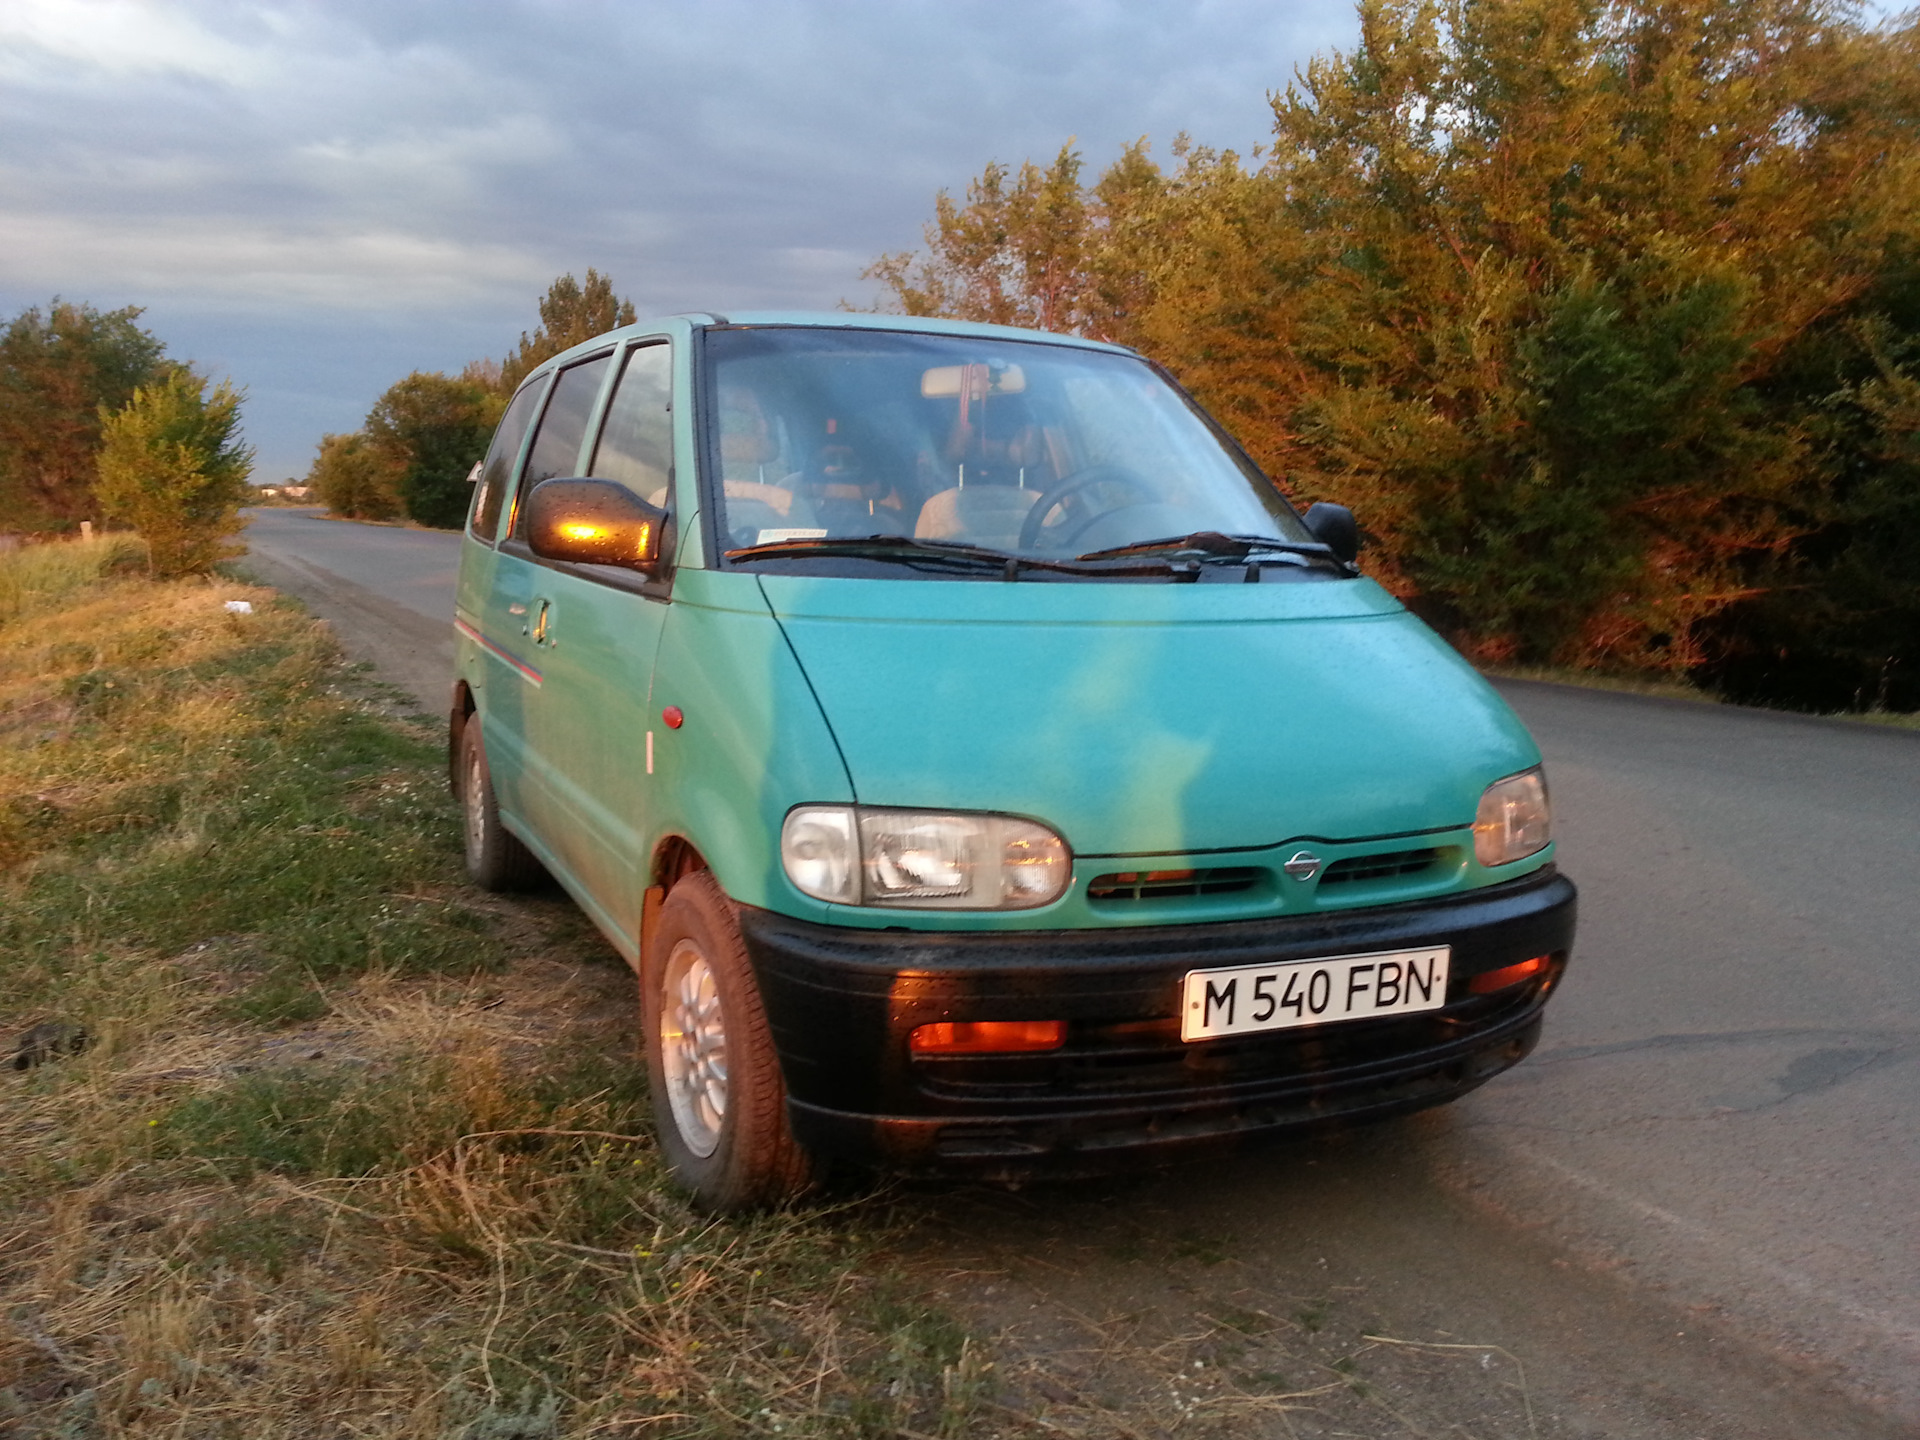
594 522
1332 525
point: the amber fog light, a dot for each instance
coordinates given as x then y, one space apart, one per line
1507 975
988 1037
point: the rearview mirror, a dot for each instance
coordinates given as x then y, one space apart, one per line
943 382
1333 526
594 522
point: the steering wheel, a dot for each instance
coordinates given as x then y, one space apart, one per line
1102 474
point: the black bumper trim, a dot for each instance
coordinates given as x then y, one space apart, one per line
1089 1142
842 1003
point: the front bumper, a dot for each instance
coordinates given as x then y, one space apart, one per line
843 1002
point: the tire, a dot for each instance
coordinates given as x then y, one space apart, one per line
719 1099
496 860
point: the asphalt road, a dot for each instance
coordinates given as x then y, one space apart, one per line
387 589
1692 1213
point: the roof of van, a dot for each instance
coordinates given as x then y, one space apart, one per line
842 320
926 324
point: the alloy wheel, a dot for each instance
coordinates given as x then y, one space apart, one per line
693 1048
475 808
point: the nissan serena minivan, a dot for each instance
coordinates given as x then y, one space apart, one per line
982 765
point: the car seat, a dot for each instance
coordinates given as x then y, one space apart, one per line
996 487
759 497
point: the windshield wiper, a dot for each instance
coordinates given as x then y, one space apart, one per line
1208 546
907 550
877 547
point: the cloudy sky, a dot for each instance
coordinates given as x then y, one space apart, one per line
316 198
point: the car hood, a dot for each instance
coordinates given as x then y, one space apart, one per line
1151 719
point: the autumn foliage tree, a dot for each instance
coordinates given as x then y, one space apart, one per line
430 429
355 479
60 370
424 434
1599 314
569 313
171 465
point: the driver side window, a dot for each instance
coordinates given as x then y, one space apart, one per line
636 442
563 426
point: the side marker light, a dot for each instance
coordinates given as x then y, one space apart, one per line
673 717
988 1037
1506 976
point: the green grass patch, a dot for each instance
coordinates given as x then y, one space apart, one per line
1664 689
1674 690
347 1138
1887 718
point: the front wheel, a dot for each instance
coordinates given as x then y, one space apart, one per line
718 1095
496 860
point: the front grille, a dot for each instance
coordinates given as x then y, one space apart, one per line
1391 866
1127 885
1147 1057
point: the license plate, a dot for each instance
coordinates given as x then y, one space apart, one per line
1250 998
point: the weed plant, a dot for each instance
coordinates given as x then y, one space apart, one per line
44 575
350 1148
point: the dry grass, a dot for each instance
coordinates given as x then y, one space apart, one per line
350 1149
43 576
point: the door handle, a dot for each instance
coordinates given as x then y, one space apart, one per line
540 625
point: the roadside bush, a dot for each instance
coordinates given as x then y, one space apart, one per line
172 465
432 428
356 479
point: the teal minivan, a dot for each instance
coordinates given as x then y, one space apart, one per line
983 767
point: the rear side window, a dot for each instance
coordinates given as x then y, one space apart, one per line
636 444
556 444
496 471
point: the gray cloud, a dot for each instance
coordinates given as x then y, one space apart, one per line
318 198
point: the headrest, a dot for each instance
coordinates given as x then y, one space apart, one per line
743 436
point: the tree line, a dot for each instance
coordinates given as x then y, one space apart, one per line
95 419
412 455
1604 317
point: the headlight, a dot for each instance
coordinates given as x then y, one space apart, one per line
923 860
1512 822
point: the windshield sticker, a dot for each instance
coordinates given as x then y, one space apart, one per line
774 537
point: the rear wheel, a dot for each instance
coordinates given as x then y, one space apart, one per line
496 860
718 1095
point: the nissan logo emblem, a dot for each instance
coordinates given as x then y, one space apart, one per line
1303 866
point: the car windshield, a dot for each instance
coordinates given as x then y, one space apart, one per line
1046 452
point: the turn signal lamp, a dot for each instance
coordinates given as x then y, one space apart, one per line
1506 976
988 1037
